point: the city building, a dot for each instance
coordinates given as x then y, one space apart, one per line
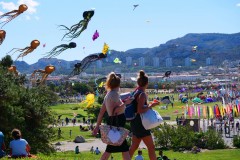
169 62
208 61
128 61
188 62
155 62
141 61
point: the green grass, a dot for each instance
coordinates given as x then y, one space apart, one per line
226 154
65 136
67 110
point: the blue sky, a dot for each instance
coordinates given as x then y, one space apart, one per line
152 23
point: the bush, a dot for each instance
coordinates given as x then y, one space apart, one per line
236 141
214 140
163 135
183 138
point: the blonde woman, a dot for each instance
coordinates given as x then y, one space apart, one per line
139 132
111 103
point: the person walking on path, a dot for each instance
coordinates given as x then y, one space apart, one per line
139 132
113 103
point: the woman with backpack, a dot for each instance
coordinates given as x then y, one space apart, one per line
139 132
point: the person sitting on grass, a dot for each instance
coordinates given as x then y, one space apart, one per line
97 152
139 156
77 150
92 150
2 145
19 147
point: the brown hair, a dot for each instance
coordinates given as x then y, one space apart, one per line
113 81
142 79
16 133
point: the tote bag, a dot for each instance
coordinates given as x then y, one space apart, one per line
151 119
112 135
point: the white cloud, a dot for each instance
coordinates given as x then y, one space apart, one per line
32 5
9 6
238 5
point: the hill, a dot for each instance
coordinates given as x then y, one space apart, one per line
217 46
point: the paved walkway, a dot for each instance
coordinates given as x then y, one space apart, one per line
70 146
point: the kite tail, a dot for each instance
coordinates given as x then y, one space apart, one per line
65 27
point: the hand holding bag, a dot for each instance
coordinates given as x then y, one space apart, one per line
112 135
151 119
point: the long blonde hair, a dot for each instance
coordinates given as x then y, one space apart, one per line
113 81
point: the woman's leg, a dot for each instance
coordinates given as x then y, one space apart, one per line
134 146
126 156
105 156
151 148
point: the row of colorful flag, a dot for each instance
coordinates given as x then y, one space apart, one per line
212 111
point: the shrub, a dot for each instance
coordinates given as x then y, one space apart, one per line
163 135
236 141
214 140
183 138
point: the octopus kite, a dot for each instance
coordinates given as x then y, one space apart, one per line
13 69
73 31
2 36
83 65
59 49
13 14
25 51
39 76
167 74
90 99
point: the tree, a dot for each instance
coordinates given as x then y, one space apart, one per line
6 61
27 110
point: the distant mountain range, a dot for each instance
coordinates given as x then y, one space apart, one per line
218 47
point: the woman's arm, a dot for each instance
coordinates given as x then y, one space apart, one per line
28 148
141 107
99 119
3 146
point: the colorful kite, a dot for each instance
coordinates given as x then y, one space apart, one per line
100 83
75 30
2 36
90 99
25 51
59 49
117 60
135 6
194 48
13 14
193 60
39 76
95 35
105 48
